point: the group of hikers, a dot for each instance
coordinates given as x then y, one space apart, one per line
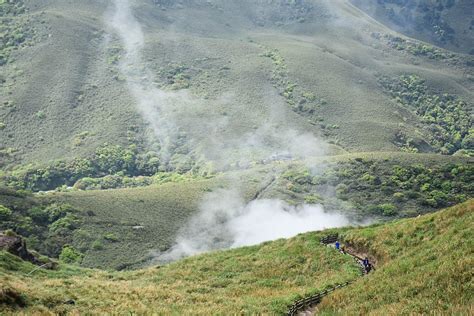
367 265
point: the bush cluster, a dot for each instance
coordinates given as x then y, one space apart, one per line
417 48
14 31
46 227
445 117
70 255
385 188
113 164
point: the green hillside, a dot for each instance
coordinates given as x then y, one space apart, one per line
251 62
435 251
101 223
423 267
136 132
448 23
260 279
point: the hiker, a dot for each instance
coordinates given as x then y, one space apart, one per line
337 245
367 265
365 262
343 249
368 268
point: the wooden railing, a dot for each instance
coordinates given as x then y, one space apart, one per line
329 239
315 299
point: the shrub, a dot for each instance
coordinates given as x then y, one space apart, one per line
399 196
24 226
39 215
388 209
64 224
97 245
111 237
440 197
56 211
70 255
312 199
5 213
446 117
40 115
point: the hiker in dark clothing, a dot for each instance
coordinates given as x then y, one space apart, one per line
365 261
368 268
367 265
337 245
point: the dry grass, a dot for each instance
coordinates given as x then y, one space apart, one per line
251 280
424 267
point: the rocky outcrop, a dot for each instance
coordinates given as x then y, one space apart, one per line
17 246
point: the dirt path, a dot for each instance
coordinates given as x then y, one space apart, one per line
307 306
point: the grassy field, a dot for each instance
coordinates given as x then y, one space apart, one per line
423 267
102 223
143 220
444 25
259 279
64 105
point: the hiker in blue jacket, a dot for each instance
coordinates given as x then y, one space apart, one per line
337 245
367 264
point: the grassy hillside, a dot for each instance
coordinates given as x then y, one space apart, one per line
102 223
142 220
384 185
447 23
63 96
423 267
259 279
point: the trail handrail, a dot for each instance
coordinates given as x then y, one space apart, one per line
315 299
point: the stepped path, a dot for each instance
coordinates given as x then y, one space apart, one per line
306 306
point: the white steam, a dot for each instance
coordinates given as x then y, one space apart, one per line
224 219
155 105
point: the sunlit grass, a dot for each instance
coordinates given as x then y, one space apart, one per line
250 280
424 267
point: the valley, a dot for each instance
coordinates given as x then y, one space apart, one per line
187 156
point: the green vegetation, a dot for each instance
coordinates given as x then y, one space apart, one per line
70 255
46 226
117 181
5 213
328 83
424 260
423 267
417 48
302 102
446 117
68 123
14 29
252 280
444 23
101 223
383 187
112 166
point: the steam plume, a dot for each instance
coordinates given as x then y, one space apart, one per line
224 219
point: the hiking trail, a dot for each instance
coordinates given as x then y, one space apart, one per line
306 306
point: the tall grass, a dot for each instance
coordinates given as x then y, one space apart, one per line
424 267
259 279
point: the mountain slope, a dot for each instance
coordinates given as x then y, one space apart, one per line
423 266
447 24
434 250
250 68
